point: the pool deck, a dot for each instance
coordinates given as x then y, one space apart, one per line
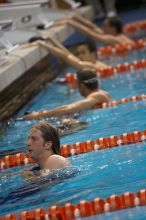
22 59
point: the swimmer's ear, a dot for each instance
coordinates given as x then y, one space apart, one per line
82 85
48 145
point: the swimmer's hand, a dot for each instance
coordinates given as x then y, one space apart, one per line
35 115
99 65
30 116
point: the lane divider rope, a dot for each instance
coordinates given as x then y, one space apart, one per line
124 100
135 26
71 79
119 49
84 208
68 150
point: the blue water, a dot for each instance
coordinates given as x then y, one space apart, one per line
101 173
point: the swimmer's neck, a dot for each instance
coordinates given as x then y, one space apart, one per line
88 92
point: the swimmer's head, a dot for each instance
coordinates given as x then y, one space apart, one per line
86 51
113 26
87 81
44 138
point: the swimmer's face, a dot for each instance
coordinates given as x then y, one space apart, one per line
36 144
84 53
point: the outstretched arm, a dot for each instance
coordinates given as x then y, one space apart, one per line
69 57
63 110
89 28
92 33
89 31
81 21
87 23
56 43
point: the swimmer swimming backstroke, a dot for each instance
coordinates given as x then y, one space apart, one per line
44 147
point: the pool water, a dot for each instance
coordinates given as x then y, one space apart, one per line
101 173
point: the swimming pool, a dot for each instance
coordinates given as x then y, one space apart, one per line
101 173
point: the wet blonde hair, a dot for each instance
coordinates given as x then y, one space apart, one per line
50 133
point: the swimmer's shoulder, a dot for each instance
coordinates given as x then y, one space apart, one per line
101 95
57 161
97 93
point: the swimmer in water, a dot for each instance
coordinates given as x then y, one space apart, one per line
60 51
65 127
44 148
89 88
112 32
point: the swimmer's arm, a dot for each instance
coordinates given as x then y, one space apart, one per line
63 110
85 30
87 23
57 50
56 43
67 57
55 47
110 39
76 62
94 35
80 20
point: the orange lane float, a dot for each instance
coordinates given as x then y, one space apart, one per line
98 205
128 200
122 68
135 26
109 71
124 100
115 202
69 211
56 212
78 148
71 80
19 159
141 195
84 208
33 214
119 49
